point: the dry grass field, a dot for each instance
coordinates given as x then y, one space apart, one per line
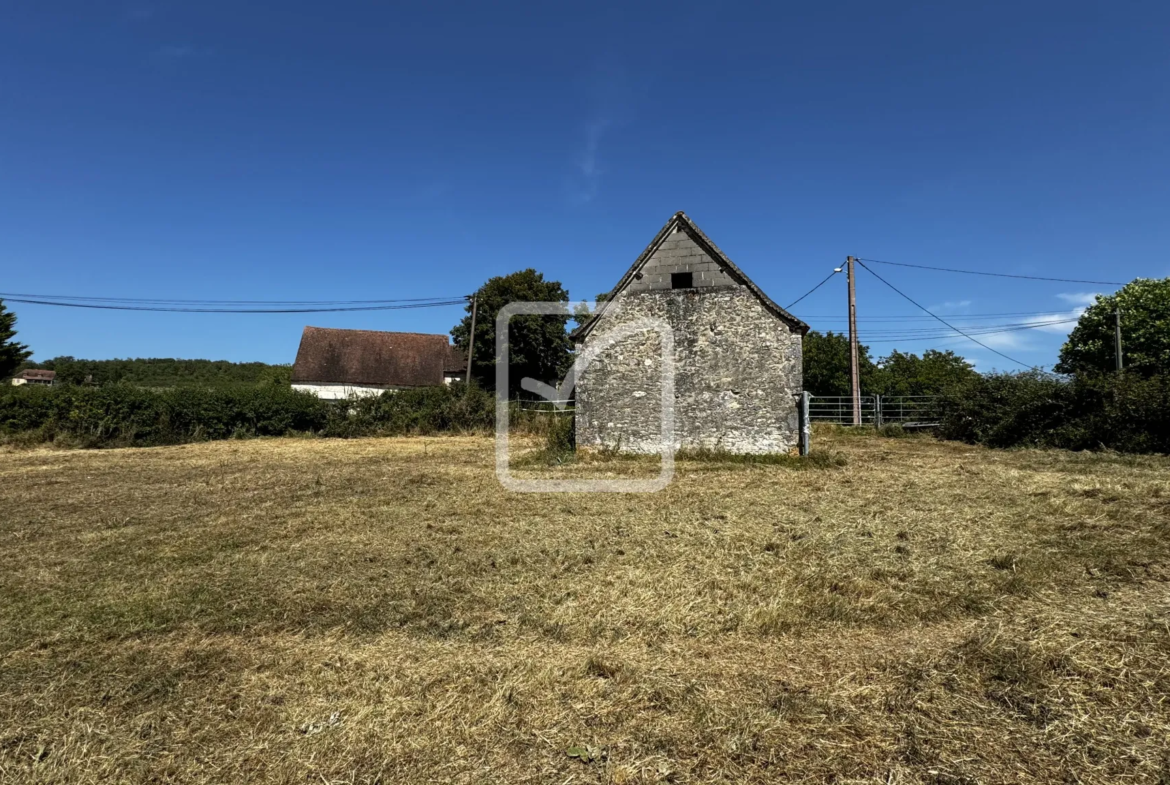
322 611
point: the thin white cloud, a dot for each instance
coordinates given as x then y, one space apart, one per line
611 95
589 180
957 306
1003 340
588 162
1079 298
993 363
1055 323
1060 322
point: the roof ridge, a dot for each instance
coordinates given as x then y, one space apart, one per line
377 332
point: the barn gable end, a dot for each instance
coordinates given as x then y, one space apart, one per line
737 355
682 247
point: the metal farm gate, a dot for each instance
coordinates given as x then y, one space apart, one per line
908 410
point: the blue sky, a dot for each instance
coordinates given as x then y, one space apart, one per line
302 151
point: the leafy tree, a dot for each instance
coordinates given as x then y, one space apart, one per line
931 374
826 365
582 313
539 346
1145 331
12 354
826 369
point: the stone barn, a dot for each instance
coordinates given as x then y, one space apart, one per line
737 355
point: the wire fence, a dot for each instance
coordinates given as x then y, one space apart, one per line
876 410
546 406
910 410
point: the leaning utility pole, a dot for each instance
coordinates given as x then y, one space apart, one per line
1117 337
471 338
854 366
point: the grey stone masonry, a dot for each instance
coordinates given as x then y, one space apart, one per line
736 355
737 369
679 253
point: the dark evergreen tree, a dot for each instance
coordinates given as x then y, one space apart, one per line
12 354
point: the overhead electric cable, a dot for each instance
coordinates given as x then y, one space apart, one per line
956 316
944 321
946 335
995 275
107 307
161 301
973 328
818 286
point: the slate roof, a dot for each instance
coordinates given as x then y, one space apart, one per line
332 356
682 221
37 373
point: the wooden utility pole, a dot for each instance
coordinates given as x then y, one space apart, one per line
1117 338
471 338
854 366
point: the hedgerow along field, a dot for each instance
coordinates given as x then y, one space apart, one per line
381 610
123 415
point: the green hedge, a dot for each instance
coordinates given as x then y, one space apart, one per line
124 415
1122 412
425 410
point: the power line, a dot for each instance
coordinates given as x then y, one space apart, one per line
108 307
974 328
908 317
926 333
946 335
818 286
944 321
995 275
921 325
159 301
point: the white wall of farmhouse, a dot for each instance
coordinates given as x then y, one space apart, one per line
340 392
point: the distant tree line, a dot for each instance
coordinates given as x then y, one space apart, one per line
826 369
164 372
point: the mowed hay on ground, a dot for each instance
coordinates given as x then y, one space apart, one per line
383 611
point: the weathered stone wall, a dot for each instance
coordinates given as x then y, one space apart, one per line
737 368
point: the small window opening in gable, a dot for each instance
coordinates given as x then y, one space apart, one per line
681 280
